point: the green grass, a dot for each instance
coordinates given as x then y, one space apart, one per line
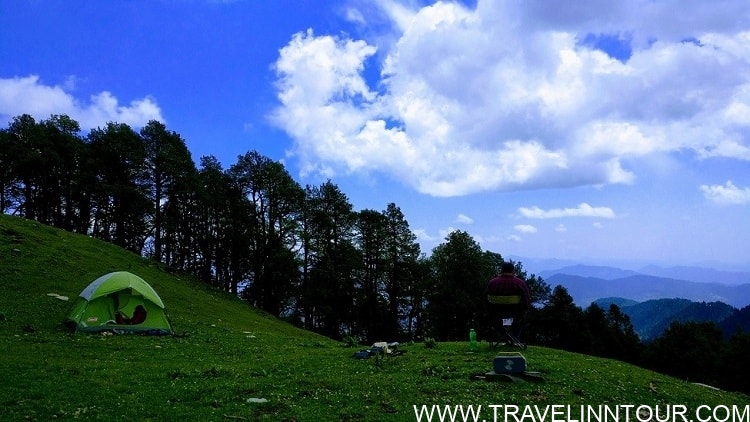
232 354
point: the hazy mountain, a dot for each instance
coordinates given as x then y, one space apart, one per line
603 272
641 288
697 274
545 268
619 301
538 265
652 317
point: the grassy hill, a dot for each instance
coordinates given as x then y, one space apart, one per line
232 355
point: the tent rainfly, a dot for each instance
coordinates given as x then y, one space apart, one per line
119 302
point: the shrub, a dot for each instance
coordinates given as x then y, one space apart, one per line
352 341
430 343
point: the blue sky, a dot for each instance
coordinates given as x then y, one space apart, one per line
604 133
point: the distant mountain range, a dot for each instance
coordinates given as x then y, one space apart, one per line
605 273
652 317
641 288
696 274
653 297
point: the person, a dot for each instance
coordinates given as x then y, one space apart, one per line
509 293
139 315
121 319
508 298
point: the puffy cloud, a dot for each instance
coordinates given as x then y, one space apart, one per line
525 228
464 219
583 210
514 238
444 233
727 194
508 95
28 95
423 236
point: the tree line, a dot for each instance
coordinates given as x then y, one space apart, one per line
690 350
298 252
301 253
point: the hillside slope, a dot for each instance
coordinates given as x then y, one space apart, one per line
234 363
38 260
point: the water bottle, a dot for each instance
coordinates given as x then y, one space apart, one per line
473 340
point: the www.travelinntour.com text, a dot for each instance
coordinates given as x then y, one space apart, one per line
581 413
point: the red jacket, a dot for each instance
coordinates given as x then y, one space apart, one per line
510 285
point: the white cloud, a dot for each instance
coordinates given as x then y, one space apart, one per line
525 228
583 210
727 194
354 15
71 82
445 232
514 238
507 97
28 95
561 228
464 219
423 236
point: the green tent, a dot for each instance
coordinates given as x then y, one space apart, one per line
116 302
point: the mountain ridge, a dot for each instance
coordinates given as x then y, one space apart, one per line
686 273
652 317
731 274
641 288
